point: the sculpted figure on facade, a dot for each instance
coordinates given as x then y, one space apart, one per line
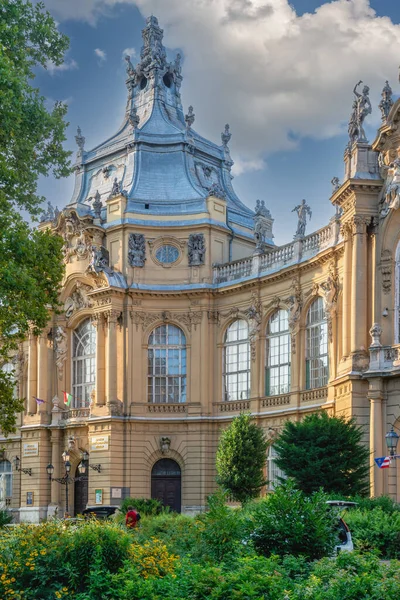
262 226
189 117
100 260
116 188
391 196
77 300
134 118
80 140
302 211
361 108
386 102
130 69
51 214
196 249
216 191
330 290
60 349
97 206
254 317
136 250
77 240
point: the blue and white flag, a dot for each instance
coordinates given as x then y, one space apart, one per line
383 462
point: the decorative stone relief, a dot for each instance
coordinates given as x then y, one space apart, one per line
134 118
136 250
375 332
77 240
190 319
165 443
97 206
330 290
274 303
335 184
99 261
116 188
78 299
61 349
295 303
254 316
302 211
189 117
386 270
196 249
360 224
144 319
391 194
216 191
51 214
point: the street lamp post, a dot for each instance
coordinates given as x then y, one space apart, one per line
66 479
392 439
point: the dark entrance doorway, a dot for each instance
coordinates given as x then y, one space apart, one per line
166 483
80 495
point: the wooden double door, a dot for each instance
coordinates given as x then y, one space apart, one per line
166 483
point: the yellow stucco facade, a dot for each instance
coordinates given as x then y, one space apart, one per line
186 332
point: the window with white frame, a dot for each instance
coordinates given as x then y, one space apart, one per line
275 474
317 369
5 482
236 361
277 372
83 363
397 297
166 380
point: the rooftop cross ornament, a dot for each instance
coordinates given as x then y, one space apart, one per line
387 102
361 108
80 140
302 211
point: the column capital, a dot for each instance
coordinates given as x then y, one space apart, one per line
360 224
346 230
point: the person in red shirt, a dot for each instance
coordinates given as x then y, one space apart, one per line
132 517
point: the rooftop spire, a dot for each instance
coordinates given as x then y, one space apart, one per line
153 54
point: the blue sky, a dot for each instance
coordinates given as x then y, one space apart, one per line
281 74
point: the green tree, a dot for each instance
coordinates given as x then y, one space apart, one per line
241 459
31 144
324 452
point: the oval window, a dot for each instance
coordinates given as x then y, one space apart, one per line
167 254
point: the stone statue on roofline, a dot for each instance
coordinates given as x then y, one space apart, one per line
303 210
387 101
361 108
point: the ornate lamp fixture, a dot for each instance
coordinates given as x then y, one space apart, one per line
17 465
85 458
66 479
392 439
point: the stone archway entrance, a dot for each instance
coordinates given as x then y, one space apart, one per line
166 483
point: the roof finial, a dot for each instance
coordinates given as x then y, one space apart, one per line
387 102
226 135
189 118
153 54
80 140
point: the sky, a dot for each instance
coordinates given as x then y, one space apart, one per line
280 73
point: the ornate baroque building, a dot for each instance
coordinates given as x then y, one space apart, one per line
180 312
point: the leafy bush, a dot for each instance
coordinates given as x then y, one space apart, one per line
375 530
145 506
384 502
289 522
5 517
178 532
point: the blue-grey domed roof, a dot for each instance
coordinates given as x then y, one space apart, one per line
159 160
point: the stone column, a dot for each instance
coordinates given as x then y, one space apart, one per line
346 232
359 287
32 374
376 398
111 370
99 324
55 461
42 384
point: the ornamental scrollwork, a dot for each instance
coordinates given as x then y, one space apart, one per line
386 270
196 249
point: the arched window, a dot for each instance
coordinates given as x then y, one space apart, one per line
317 371
277 372
5 482
167 365
397 297
274 474
83 363
236 369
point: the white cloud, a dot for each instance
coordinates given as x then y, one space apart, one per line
273 75
129 52
68 65
101 55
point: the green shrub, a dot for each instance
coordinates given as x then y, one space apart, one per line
5 517
375 530
145 506
178 532
289 522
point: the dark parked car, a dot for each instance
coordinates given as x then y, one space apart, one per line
100 512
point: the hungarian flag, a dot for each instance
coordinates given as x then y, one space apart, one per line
383 462
67 399
38 400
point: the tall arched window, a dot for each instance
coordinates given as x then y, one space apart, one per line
317 371
397 297
5 482
236 369
83 363
167 365
277 372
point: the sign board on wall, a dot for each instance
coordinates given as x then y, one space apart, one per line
98 496
29 498
30 449
116 492
99 442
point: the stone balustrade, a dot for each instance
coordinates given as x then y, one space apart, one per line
293 253
384 358
315 395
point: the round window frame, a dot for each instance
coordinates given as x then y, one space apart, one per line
166 241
